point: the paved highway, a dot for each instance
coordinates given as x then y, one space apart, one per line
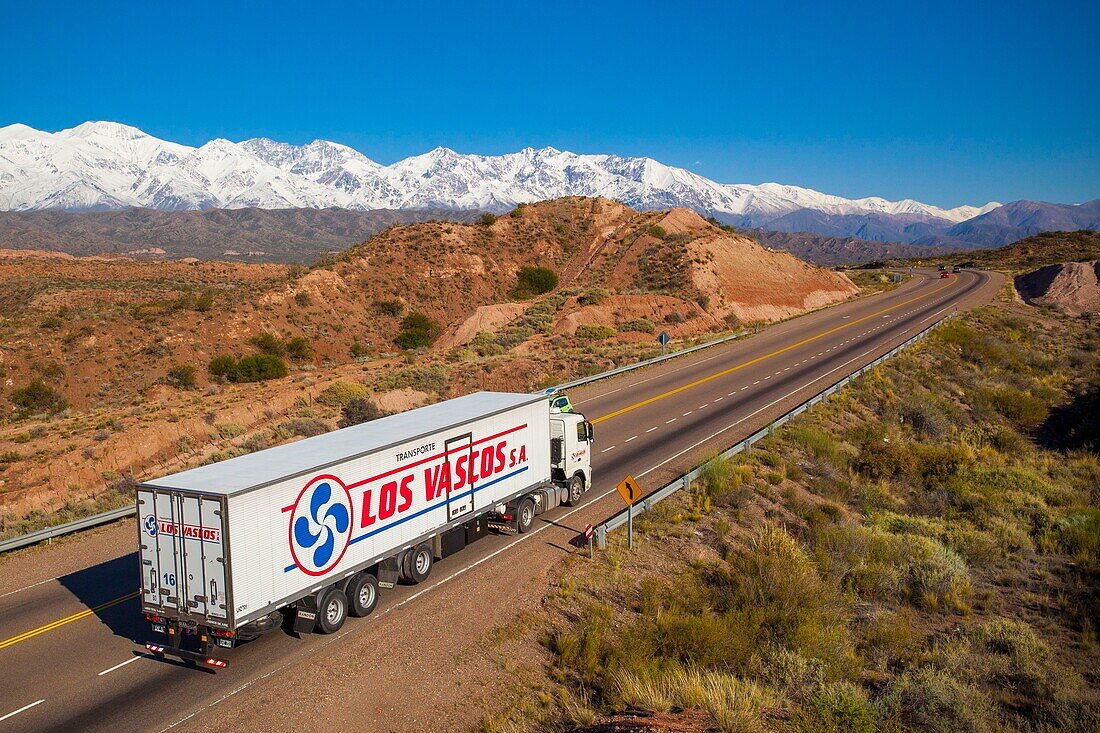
69 644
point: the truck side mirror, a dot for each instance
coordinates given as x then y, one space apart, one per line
555 450
588 427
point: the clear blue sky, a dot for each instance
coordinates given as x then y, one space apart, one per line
946 102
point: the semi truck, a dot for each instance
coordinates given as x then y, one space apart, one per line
305 534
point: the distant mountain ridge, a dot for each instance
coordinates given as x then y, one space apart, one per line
107 165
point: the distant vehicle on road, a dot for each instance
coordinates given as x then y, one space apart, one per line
957 269
943 268
944 274
313 529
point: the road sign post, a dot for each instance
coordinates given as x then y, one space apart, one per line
663 339
630 491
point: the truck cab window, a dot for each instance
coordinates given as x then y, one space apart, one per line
582 433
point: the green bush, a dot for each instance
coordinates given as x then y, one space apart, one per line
417 331
1079 535
1024 410
641 325
532 281
259 368
298 348
656 231
38 397
487 219
269 343
929 699
222 366
358 350
182 376
594 332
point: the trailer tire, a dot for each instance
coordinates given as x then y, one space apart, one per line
421 560
576 490
525 516
362 594
332 611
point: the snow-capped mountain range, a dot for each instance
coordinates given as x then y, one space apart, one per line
106 165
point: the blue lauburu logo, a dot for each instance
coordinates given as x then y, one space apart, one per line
151 525
320 525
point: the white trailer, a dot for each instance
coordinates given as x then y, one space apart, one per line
314 528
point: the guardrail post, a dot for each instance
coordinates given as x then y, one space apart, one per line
601 537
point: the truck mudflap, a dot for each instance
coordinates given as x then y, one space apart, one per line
207 660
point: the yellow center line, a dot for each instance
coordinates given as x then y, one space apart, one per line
759 359
67 620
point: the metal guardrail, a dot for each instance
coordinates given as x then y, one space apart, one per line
684 481
47 534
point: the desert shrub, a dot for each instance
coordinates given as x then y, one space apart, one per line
656 231
389 307
841 707
38 397
931 700
1024 410
593 297
594 332
417 331
222 366
487 219
675 317
532 281
259 368
733 704
1079 535
302 299
486 344
358 350
305 427
339 393
298 348
228 430
641 325
269 343
359 410
431 378
183 376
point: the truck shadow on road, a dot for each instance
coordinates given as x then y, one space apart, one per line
109 591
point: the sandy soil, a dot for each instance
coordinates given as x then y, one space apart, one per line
1072 286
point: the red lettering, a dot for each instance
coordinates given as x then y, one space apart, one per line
522 454
487 457
437 480
406 493
500 456
368 518
460 471
387 500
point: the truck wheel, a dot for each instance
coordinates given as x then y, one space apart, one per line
576 491
362 594
420 563
525 515
332 611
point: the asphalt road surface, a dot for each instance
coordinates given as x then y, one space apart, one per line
70 643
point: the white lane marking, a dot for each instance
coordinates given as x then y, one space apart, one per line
786 369
652 429
757 382
744 388
605 450
768 377
632 437
941 310
731 394
27 587
122 664
687 413
845 317
719 399
25 707
752 414
703 406
669 422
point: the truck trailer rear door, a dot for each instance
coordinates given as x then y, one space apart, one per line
182 553
459 501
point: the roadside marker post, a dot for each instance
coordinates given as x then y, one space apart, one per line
588 532
630 491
